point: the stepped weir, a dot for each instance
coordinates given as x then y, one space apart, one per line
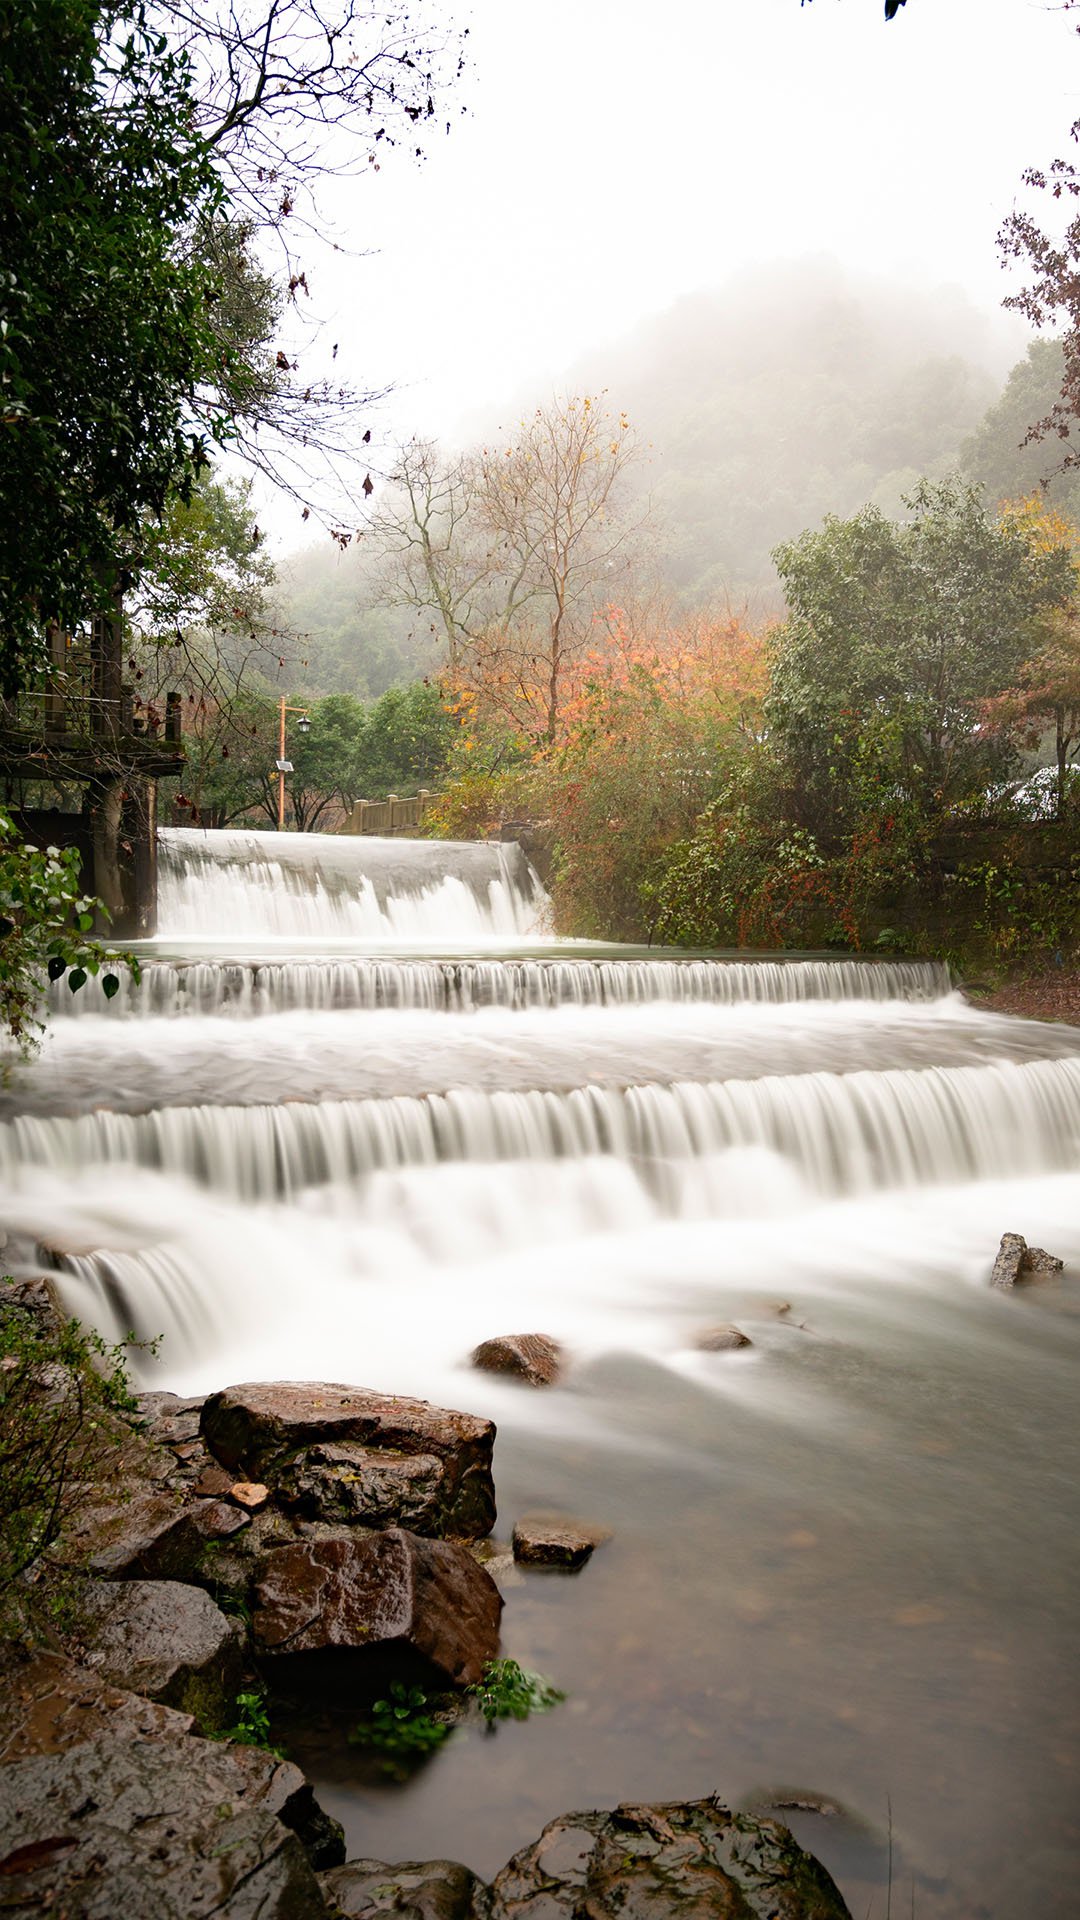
363 1112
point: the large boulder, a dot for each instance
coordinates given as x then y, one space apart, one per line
168 1641
413 1890
691 1861
175 1829
49 1703
389 1594
533 1358
336 1452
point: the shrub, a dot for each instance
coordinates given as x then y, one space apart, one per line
62 1390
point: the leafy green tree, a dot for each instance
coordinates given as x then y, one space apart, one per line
407 738
898 634
104 320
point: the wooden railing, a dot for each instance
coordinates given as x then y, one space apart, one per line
389 816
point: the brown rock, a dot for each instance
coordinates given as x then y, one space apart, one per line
1009 1262
555 1540
1037 1260
146 1535
388 1592
665 1863
48 1703
167 1641
214 1482
363 1486
414 1889
721 1339
530 1357
249 1494
268 1430
176 1830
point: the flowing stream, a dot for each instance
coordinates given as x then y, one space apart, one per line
362 1113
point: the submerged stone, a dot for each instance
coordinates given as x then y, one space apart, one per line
555 1540
533 1358
282 1432
388 1593
692 1860
1015 1259
721 1339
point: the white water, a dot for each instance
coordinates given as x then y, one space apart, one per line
273 886
845 1560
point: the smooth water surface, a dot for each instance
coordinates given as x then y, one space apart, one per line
845 1561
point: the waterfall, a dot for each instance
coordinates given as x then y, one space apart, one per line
361 1114
301 885
248 987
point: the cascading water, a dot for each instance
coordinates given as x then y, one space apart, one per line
273 886
845 1560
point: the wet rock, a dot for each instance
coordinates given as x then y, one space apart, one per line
37 1301
1015 1259
651 1863
282 1789
167 1641
533 1358
367 1487
416 1889
385 1593
555 1540
269 1430
214 1482
168 1420
178 1830
48 1703
146 1534
721 1339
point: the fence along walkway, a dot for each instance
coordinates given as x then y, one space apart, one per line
389 816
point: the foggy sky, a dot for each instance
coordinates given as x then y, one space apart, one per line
618 154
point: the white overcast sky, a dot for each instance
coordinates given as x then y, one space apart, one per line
618 153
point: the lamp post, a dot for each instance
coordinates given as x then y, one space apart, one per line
285 766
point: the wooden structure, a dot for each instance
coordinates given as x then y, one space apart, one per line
84 730
390 816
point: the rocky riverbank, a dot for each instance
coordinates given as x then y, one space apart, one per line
231 1545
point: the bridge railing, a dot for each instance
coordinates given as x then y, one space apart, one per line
390 816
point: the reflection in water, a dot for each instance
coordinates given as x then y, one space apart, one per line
845 1560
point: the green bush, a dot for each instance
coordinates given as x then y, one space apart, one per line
62 1392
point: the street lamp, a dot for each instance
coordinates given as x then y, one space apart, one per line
284 766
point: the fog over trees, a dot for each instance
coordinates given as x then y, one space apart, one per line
759 406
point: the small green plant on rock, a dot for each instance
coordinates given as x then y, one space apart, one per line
509 1692
402 1728
252 1727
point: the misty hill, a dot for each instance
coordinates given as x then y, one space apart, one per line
788 394
793 392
